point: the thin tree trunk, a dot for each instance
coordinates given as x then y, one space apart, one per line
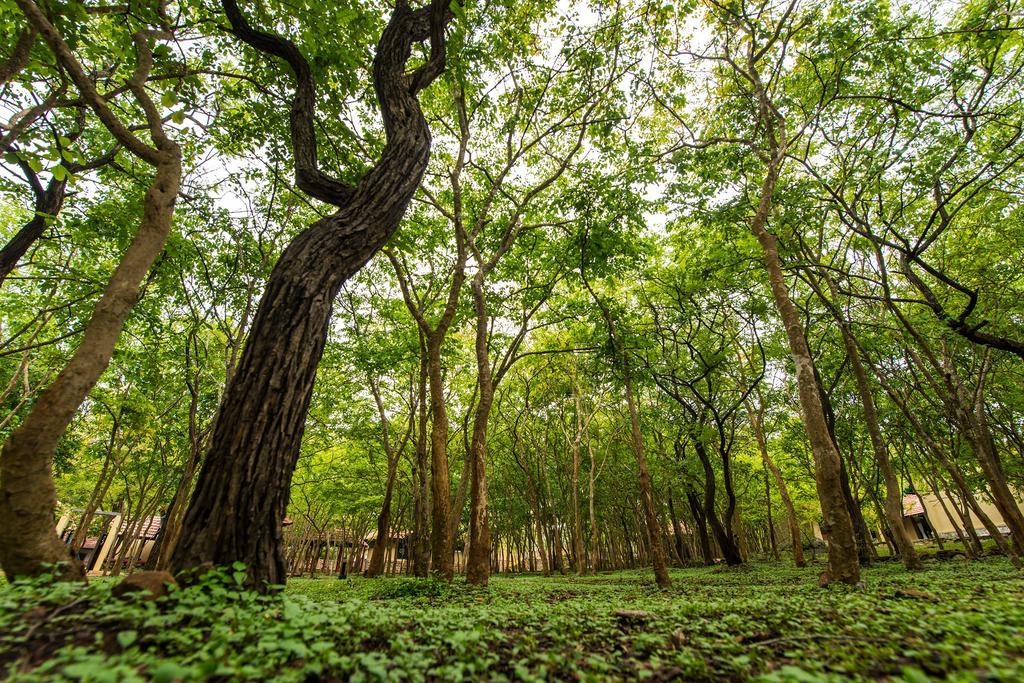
699 521
794 524
837 525
420 549
477 564
594 551
682 553
893 495
772 543
636 439
376 565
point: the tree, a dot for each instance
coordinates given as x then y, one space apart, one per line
28 542
241 495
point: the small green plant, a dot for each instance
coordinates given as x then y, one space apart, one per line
956 620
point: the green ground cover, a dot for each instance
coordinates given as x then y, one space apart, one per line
955 620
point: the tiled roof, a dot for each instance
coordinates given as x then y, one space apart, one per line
912 505
149 528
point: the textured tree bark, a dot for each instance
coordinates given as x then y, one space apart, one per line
477 562
28 539
866 552
19 58
242 492
837 525
842 546
442 521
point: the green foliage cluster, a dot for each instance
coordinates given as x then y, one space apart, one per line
955 620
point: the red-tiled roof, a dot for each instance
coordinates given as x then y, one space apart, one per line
912 505
149 528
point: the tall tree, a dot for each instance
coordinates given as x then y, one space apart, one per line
241 496
28 542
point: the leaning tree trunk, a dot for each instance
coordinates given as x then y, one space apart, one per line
893 495
28 499
242 492
842 546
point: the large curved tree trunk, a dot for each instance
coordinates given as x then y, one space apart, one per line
242 493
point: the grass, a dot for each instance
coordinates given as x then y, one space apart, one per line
955 620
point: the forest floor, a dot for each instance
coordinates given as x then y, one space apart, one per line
955 620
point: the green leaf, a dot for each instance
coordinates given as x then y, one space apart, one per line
458 11
126 638
169 672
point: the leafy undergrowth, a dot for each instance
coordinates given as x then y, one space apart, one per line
955 620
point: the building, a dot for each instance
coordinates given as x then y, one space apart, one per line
927 516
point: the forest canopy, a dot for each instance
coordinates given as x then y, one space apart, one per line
436 288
